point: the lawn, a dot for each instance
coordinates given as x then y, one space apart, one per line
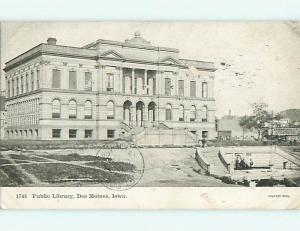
113 166
18 158
61 172
5 180
74 157
15 176
4 161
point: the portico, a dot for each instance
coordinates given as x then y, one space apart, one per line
138 81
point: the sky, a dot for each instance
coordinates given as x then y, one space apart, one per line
256 61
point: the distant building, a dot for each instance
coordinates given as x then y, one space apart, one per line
107 89
2 116
285 129
292 115
284 133
229 129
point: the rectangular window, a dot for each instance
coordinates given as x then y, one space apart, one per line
22 85
168 114
13 87
27 83
180 88
193 88
167 86
8 88
37 79
204 90
72 80
88 81
72 133
110 82
110 110
17 91
204 134
88 133
32 81
110 134
55 78
56 133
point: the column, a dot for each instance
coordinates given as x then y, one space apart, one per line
156 83
11 87
150 85
175 85
102 80
145 115
145 82
211 92
161 83
133 115
97 78
132 81
121 80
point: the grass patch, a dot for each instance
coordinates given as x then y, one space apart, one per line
61 172
17 157
5 180
4 161
21 161
15 176
74 157
114 166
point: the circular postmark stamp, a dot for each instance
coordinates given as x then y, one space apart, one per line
120 165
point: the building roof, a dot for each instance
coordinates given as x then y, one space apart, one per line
113 50
292 114
2 103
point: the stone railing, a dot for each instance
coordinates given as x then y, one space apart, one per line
226 163
202 160
125 126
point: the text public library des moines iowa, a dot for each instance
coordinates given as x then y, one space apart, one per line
107 90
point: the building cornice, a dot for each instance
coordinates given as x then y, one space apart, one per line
105 93
90 54
126 44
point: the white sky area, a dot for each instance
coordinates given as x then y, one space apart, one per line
261 61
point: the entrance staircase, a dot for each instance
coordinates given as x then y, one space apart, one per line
216 166
157 134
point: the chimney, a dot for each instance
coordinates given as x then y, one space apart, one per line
51 41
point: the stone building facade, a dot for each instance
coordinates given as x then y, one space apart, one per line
2 115
106 90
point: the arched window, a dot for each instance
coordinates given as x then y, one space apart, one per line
204 114
110 108
181 113
56 108
168 112
72 109
193 113
88 110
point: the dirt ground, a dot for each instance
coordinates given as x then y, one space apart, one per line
171 167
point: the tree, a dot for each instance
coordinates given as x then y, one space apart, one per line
258 119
